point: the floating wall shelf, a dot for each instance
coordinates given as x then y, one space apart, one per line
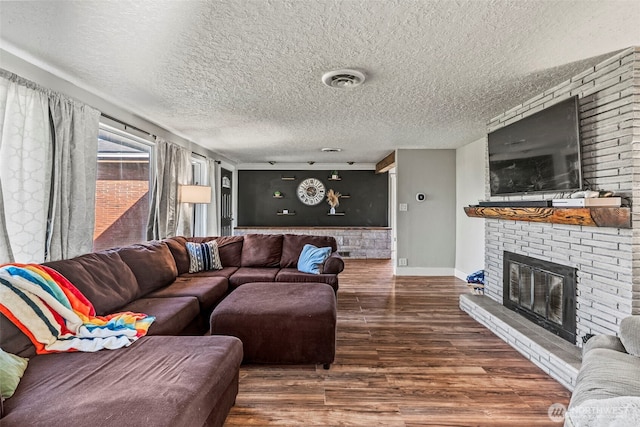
288 178
336 214
286 214
590 217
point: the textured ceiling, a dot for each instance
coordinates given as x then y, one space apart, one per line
242 77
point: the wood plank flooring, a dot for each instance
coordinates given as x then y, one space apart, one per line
406 356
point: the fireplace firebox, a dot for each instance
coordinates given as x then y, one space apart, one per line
544 292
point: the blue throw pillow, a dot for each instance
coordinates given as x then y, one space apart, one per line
311 258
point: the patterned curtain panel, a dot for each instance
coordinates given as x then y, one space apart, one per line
212 208
72 207
25 169
48 152
168 217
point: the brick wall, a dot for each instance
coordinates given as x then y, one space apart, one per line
607 259
360 243
122 210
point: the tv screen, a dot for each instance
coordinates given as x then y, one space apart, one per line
539 153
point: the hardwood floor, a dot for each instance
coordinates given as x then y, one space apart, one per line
406 356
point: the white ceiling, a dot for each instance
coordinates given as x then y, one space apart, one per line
242 77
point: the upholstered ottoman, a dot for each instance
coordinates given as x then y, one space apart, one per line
280 322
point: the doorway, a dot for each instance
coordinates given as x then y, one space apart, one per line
226 205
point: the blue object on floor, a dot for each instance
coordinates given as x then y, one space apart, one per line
477 277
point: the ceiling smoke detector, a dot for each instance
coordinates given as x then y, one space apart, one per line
343 79
331 150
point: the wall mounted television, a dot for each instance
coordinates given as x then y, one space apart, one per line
540 153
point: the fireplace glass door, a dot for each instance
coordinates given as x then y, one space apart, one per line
539 290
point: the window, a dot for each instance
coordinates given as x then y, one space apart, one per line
199 169
122 188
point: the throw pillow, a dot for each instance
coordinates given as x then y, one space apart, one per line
12 368
312 258
630 334
203 256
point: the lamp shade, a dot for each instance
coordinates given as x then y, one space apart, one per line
195 194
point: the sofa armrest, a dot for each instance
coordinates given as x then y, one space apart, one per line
334 264
630 334
603 341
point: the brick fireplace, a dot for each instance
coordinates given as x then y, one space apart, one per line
606 260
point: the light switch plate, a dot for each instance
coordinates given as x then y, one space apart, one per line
403 207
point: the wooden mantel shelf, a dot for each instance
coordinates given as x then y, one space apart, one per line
591 217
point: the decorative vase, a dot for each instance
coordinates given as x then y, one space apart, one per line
332 211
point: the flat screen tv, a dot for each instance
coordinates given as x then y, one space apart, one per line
540 153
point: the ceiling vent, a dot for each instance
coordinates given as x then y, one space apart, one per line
331 150
343 79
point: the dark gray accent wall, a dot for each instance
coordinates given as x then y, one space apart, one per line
367 206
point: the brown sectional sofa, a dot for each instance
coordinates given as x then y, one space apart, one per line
166 378
262 258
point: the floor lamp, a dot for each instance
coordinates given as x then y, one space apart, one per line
196 194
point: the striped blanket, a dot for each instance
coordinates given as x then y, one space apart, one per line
57 317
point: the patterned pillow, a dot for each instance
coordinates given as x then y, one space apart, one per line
203 256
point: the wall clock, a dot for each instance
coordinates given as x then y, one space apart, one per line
311 191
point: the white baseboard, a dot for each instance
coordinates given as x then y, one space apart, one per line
461 274
424 271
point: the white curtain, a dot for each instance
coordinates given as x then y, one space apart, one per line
72 207
212 208
25 170
167 216
48 153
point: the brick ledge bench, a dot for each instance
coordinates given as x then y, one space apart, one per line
280 322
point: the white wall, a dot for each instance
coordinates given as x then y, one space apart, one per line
470 188
426 232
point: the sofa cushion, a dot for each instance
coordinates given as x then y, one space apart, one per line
600 366
312 259
172 315
224 272
293 275
203 256
620 411
14 340
152 263
262 250
157 381
292 245
229 247
103 277
603 341
208 290
630 334
177 246
248 275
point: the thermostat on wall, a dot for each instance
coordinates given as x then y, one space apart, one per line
421 197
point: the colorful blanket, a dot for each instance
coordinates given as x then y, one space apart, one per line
57 317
